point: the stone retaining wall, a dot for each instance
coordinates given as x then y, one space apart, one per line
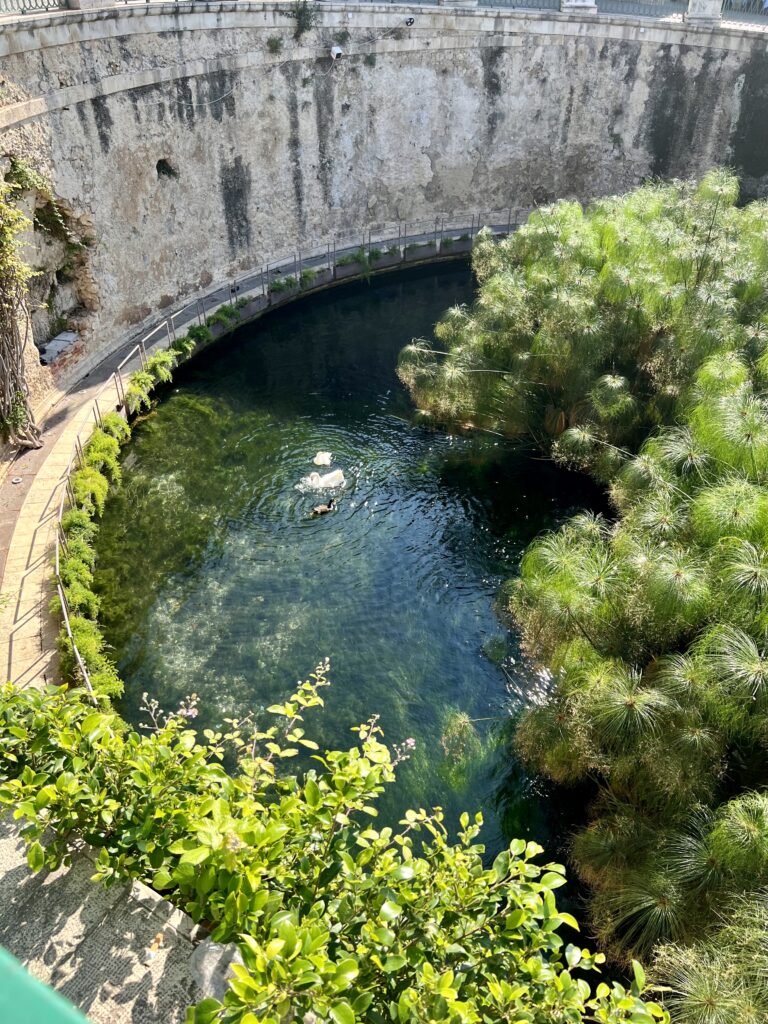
202 139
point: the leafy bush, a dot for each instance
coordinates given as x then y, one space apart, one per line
282 284
137 394
90 643
225 315
306 277
336 920
77 523
161 365
116 426
275 44
89 488
200 334
358 256
102 452
183 345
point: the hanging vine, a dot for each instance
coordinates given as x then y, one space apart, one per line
17 422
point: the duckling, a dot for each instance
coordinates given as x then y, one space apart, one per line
321 510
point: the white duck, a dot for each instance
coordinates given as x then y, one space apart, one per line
333 479
322 459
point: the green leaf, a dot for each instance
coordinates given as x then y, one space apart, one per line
312 793
639 974
552 880
342 1013
501 865
390 910
196 855
393 963
36 856
162 879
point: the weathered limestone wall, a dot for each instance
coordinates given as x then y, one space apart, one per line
463 110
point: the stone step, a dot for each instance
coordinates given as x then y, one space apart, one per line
122 955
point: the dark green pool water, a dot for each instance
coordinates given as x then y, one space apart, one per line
214 578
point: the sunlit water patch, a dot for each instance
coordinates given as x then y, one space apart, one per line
216 579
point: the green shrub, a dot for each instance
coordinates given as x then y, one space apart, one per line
183 345
78 524
102 452
139 388
90 488
161 365
359 256
306 277
282 284
225 315
275 44
357 923
116 426
628 340
81 600
200 334
90 644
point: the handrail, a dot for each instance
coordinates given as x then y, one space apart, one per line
254 283
745 11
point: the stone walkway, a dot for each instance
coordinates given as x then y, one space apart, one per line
93 944
28 511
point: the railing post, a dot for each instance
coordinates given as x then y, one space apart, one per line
707 13
119 387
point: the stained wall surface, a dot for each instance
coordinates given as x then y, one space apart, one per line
203 139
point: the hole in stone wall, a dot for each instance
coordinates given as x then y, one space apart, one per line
165 170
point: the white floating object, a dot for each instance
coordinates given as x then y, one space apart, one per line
332 479
322 459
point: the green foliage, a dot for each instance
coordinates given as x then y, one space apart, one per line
305 14
629 339
598 319
90 643
184 345
50 216
116 426
358 256
282 284
89 487
199 334
306 277
226 315
161 365
336 920
103 453
275 44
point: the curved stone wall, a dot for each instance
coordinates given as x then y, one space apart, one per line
202 139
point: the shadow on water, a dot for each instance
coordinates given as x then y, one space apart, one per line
216 580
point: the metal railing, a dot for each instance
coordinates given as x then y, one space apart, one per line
744 10
329 262
643 8
755 11
31 6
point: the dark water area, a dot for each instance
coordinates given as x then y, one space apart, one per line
215 579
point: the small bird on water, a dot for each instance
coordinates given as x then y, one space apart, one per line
321 510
